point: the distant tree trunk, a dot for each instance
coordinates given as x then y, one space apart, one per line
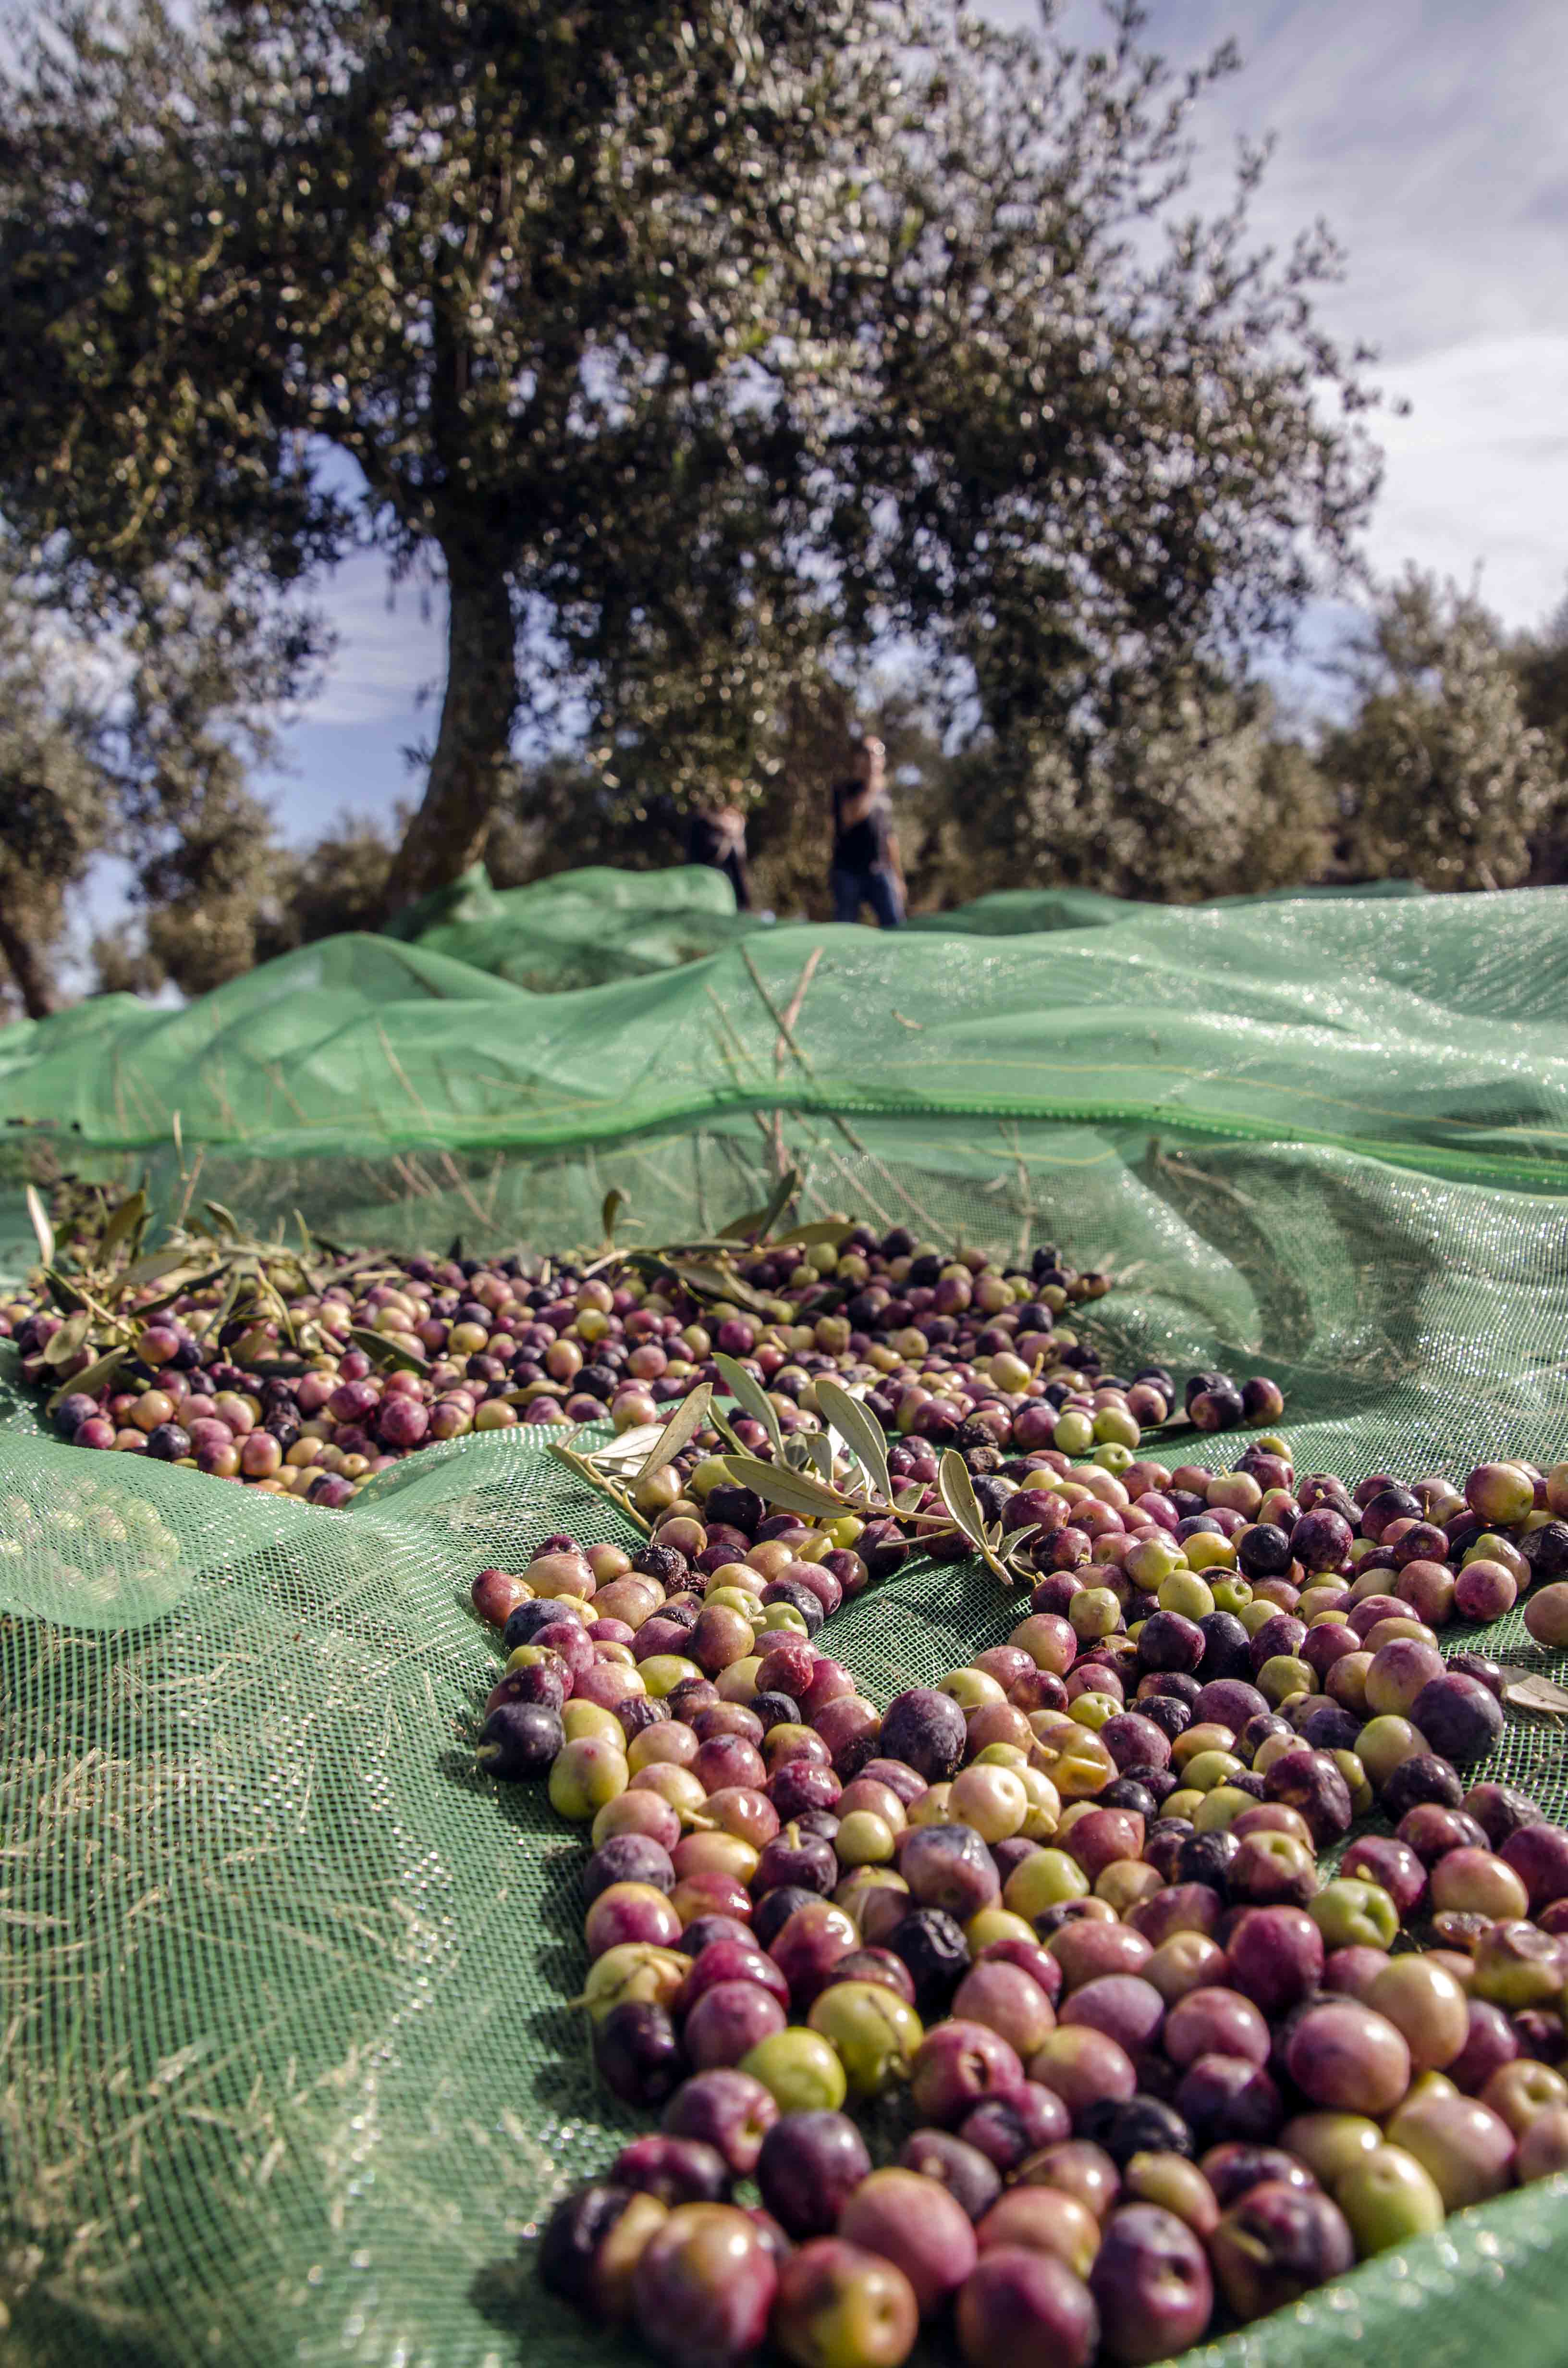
28 968
469 770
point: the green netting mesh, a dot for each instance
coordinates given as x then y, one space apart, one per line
286 2072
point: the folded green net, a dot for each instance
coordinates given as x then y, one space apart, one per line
288 2071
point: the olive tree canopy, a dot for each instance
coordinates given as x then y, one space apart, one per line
686 343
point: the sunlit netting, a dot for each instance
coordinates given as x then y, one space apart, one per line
288 2071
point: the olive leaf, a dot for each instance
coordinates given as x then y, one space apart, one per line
69 1338
621 1457
958 1494
41 1227
323 1242
615 1199
819 1448
64 1293
740 1228
375 1344
822 1229
908 1499
716 1284
130 1213
760 1222
720 1424
1010 1545
1528 1690
225 1308
153 1267
589 1468
683 1425
792 1492
859 1429
182 1280
748 1390
92 1380
779 1199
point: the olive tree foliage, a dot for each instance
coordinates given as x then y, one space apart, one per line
1540 664
693 345
1440 776
229 895
132 741
1192 789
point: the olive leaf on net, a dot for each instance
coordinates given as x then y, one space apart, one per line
714 1282
68 1340
683 1425
794 1492
90 1381
619 1458
39 1217
819 1452
860 1431
758 1223
722 1425
748 1391
376 1345
958 1494
833 1230
127 1219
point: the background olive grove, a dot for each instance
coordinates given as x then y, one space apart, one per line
739 373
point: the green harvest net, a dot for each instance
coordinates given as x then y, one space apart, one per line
286 2070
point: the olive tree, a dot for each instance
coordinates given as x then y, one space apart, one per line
1440 778
687 346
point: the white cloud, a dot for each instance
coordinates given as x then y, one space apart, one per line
1478 473
390 648
1427 134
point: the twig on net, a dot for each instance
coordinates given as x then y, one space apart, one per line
188 1194
699 1189
784 1022
792 1010
400 1073
583 1466
731 1042
459 1185
728 1058
274 1072
1027 1199
417 1190
1175 1163
856 1184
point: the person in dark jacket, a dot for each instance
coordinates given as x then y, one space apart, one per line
717 836
866 867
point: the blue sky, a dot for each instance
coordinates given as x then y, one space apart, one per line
1428 133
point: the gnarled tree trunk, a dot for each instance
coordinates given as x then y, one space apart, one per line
28 968
469 770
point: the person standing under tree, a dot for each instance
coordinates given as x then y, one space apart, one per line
866 867
717 836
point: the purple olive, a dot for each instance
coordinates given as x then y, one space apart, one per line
808 2167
